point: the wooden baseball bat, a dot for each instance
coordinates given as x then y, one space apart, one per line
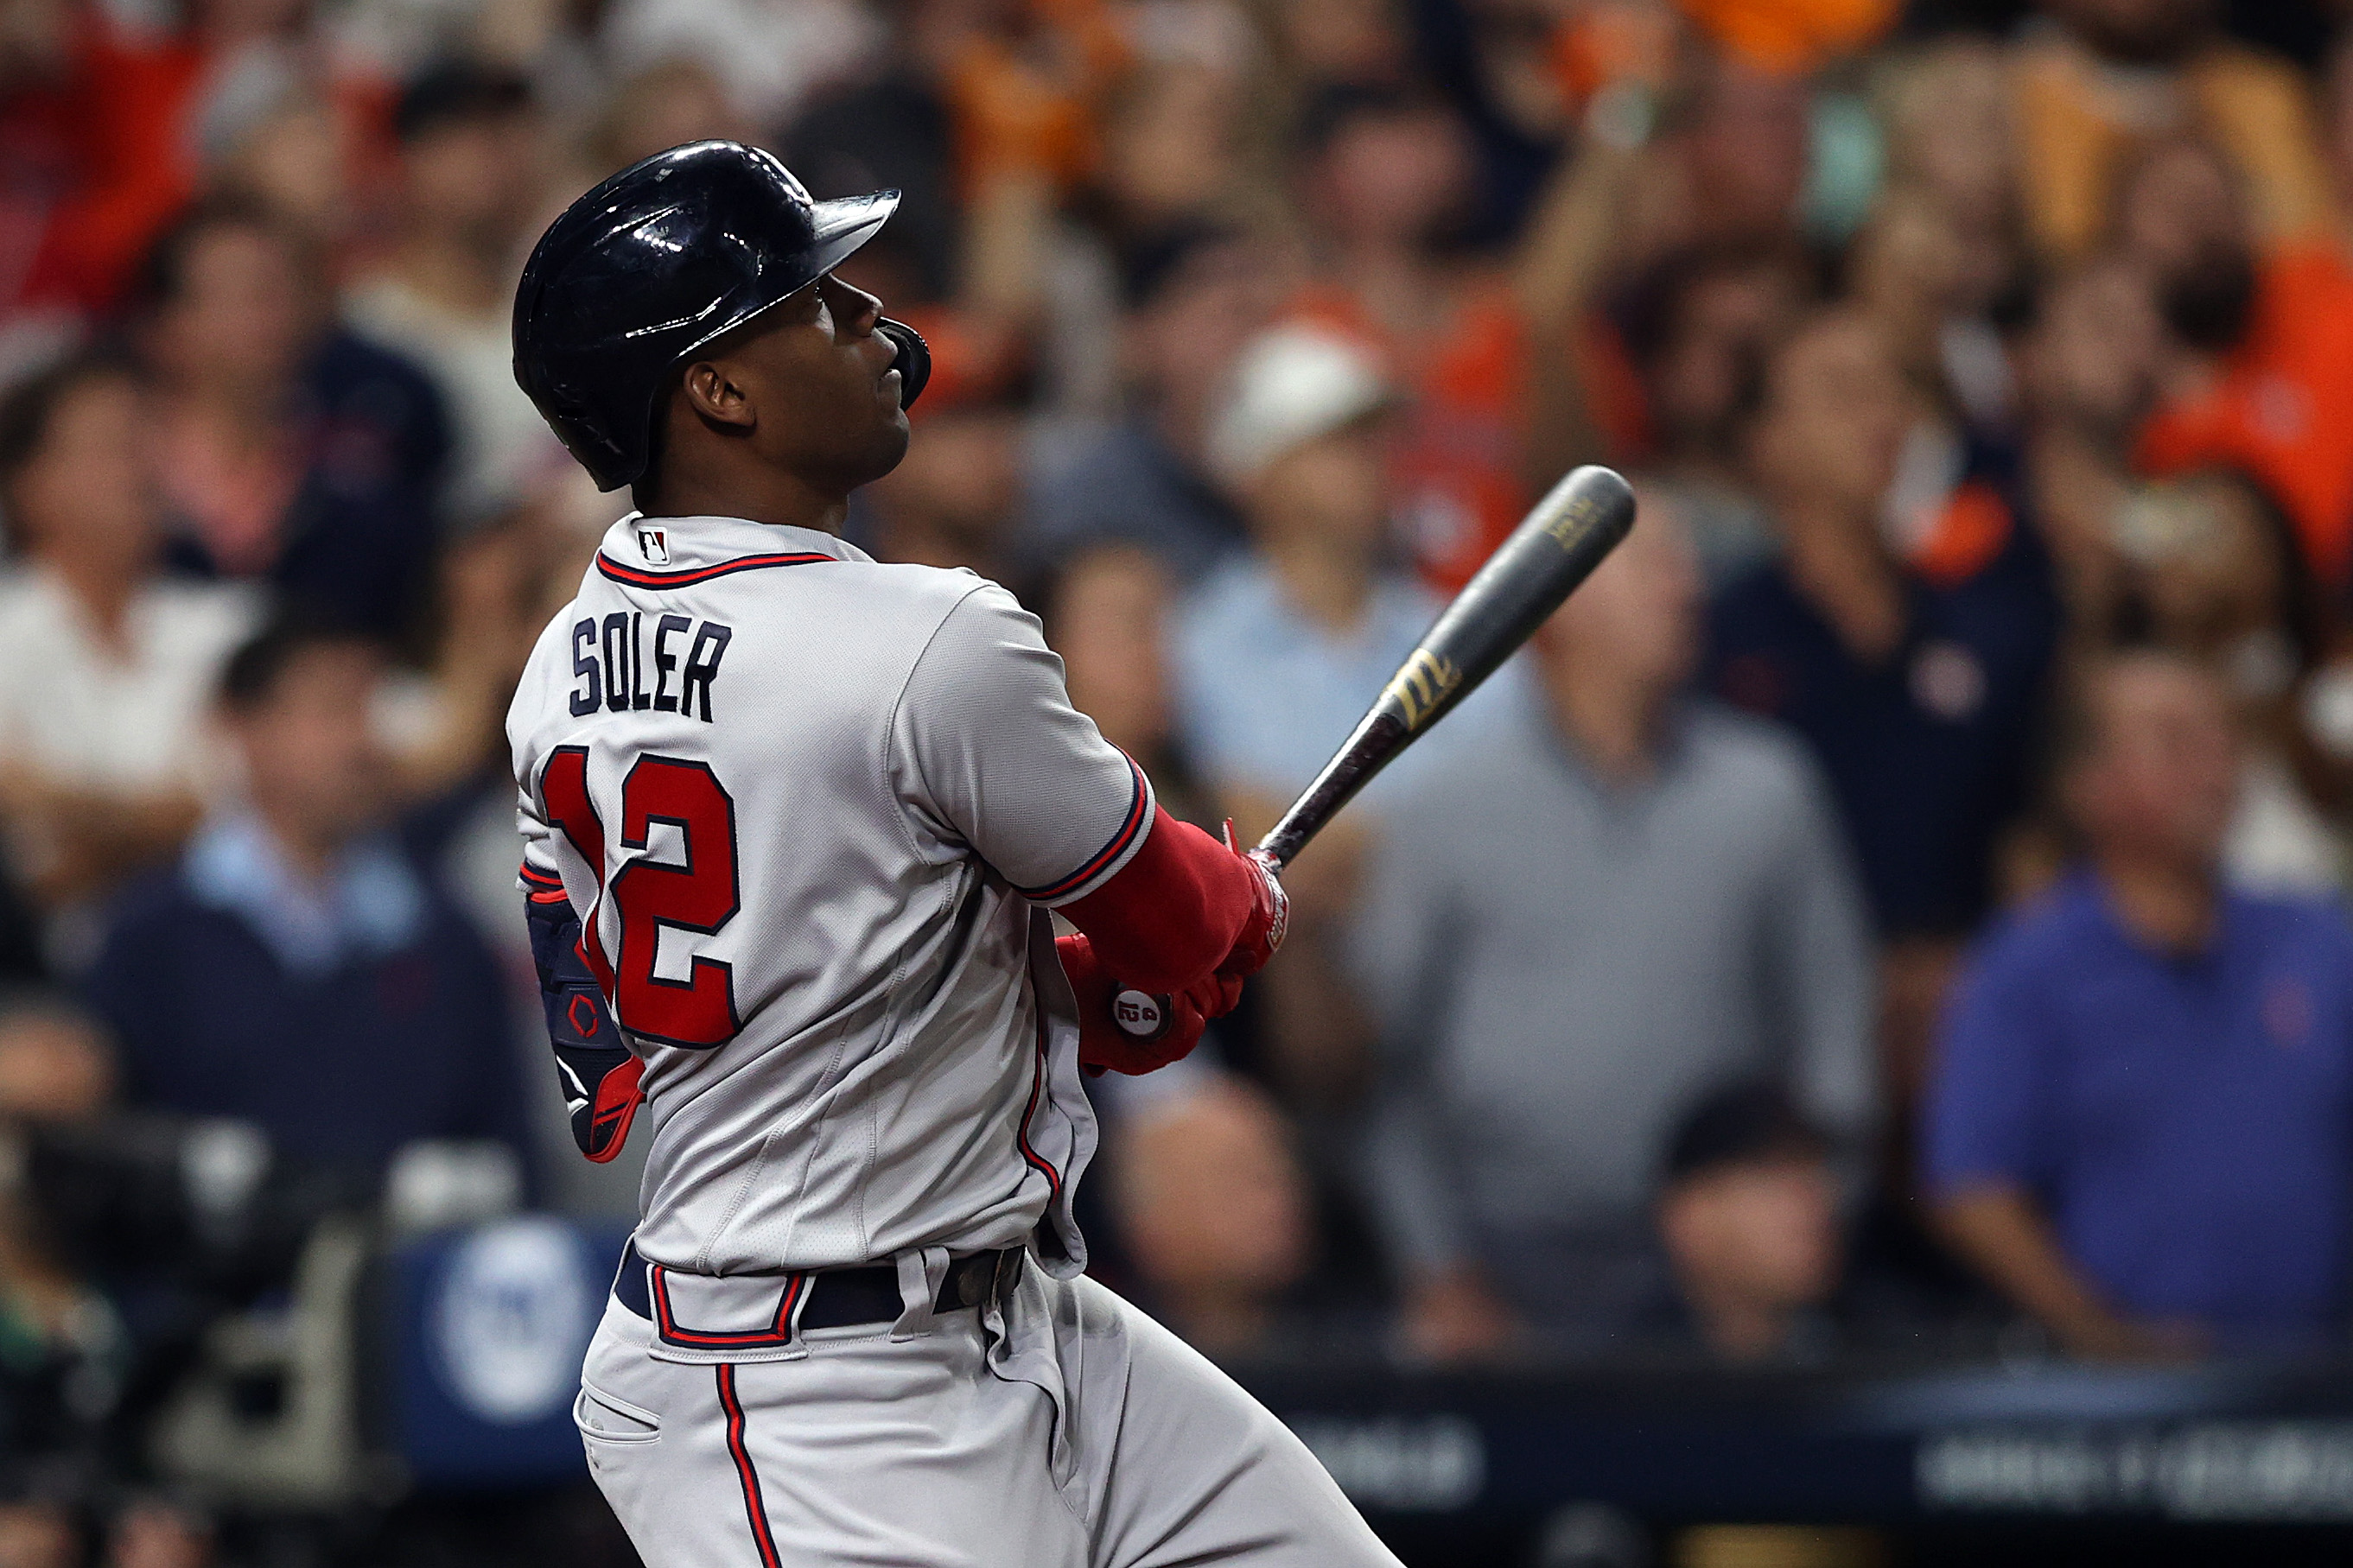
1555 547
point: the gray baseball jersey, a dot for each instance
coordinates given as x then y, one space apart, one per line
811 810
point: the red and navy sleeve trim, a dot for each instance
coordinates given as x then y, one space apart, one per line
1131 833
543 887
636 577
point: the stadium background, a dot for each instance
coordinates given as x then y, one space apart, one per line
1953 347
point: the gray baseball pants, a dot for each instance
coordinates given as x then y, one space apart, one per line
1058 1428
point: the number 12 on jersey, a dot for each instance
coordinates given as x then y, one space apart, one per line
700 896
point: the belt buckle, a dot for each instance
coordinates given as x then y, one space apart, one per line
970 1286
984 1276
1007 1274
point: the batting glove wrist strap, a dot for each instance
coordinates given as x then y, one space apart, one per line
1268 920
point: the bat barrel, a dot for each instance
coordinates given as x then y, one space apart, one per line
1554 548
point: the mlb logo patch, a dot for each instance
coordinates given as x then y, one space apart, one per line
654 544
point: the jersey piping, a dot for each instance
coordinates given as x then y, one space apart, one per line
1030 1156
756 1506
1131 832
637 577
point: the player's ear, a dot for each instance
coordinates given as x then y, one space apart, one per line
715 392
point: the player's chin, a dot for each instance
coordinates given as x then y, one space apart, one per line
886 446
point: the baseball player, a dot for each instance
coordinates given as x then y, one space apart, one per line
792 821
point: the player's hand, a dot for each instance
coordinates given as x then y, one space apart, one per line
1270 916
1104 1047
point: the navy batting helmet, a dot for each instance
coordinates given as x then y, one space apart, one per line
652 265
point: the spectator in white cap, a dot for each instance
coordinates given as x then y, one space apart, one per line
1280 650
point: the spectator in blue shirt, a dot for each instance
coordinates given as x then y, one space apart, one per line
1279 652
2140 1126
294 971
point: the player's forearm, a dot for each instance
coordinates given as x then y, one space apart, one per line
1173 913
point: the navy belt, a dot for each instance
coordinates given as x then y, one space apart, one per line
829 1298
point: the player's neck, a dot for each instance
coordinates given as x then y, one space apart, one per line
759 495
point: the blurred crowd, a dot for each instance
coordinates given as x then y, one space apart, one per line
1894 910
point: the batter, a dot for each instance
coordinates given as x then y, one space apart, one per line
793 820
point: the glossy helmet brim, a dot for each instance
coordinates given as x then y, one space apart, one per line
842 225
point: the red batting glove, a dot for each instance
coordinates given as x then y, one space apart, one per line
1270 916
1104 1047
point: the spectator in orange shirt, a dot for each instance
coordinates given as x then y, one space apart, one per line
1388 173
125 97
2262 346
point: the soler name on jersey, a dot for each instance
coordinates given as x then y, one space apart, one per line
625 665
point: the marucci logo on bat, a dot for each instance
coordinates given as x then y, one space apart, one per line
1426 681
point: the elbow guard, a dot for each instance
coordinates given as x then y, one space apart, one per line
597 1073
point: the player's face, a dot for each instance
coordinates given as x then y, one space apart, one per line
818 379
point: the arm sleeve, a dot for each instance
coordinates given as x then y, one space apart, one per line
1000 763
542 871
1401 956
1988 1096
597 1074
595 1071
1170 915
1820 950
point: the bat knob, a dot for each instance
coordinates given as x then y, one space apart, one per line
1141 1015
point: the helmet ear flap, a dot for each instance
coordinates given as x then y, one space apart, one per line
913 361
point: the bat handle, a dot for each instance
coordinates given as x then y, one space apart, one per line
1283 841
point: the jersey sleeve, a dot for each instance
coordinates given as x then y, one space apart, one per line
998 761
